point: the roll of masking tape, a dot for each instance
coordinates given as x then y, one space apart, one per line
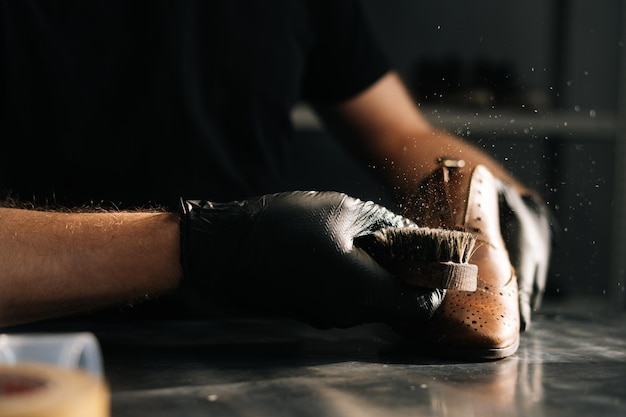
31 389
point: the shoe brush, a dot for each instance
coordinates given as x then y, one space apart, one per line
425 257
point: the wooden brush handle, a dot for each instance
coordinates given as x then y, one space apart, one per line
436 275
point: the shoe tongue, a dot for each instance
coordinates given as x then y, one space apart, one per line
441 199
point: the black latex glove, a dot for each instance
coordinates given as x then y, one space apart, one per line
293 253
527 228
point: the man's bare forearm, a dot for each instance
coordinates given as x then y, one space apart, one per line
57 263
393 136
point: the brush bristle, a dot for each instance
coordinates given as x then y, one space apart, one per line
424 244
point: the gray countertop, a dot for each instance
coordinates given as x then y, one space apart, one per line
567 365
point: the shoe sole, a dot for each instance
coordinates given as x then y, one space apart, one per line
473 354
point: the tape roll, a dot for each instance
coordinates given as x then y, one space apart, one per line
42 390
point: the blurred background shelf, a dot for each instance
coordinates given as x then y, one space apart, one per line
527 124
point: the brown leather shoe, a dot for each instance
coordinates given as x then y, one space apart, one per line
483 324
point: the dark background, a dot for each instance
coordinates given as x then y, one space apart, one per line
540 85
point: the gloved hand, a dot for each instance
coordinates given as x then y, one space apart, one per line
527 228
293 253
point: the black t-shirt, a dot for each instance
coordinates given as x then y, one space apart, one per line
133 102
